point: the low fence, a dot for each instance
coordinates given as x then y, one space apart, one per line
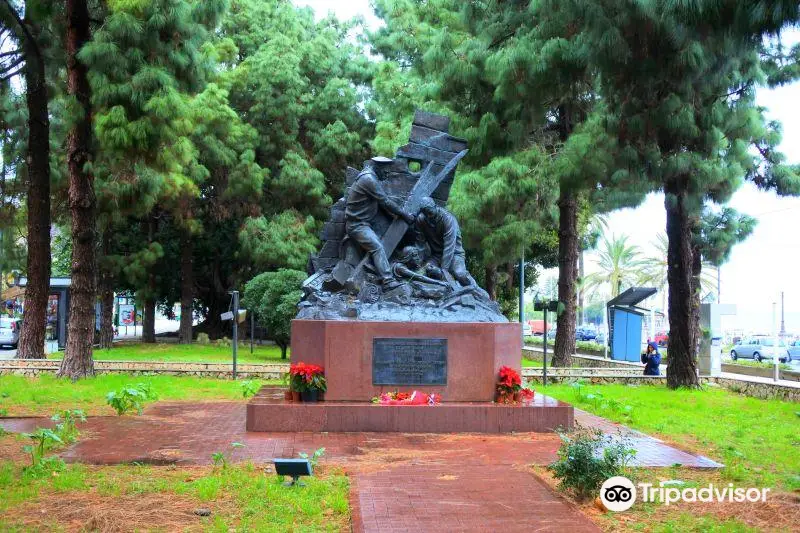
762 372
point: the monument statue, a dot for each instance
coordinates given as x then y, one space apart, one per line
366 195
391 251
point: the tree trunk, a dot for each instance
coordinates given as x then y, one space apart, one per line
149 321
106 297
568 248
187 289
697 268
283 350
149 318
32 337
78 362
682 369
490 273
581 290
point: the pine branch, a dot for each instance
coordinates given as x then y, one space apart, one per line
11 75
23 27
6 68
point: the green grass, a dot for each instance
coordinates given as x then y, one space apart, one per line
757 440
756 364
47 394
240 497
186 353
531 363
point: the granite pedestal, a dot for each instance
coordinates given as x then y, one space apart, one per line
459 361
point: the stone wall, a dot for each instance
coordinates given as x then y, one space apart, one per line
763 372
583 360
34 367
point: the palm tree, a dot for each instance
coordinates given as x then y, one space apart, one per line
597 226
619 265
654 271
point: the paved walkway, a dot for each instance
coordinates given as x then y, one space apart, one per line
400 482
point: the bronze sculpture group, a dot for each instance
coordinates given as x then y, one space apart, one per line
392 251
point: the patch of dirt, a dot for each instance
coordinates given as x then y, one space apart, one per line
134 512
11 448
377 459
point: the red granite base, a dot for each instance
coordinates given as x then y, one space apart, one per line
544 414
475 354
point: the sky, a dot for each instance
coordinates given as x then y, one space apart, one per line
759 269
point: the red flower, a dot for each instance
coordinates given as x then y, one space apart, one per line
510 380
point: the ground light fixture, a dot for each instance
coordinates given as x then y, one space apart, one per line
294 468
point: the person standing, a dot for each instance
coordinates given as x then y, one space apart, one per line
651 359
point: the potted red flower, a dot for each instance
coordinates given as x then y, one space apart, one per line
509 385
308 380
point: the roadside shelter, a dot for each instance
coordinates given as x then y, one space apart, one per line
625 323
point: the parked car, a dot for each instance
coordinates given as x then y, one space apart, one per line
9 331
585 334
662 338
760 348
794 350
527 330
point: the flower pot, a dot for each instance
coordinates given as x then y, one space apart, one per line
287 395
321 396
517 397
310 395
295 396
504 397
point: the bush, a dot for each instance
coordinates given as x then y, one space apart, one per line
586 458
130 398
202 338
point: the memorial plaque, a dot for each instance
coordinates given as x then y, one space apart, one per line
401 361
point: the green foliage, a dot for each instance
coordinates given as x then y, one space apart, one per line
221 459
130 398
314 458
273 296
249 388
586 458
66 422
43 440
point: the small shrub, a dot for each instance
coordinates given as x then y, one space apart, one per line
66 424
586 458
202 338
224 341
130 398
315 457
43 440
249 388
220 459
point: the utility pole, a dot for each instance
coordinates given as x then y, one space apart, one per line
235 328
783 322
522 295
775 345
544 355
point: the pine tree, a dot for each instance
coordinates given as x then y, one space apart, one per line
682 95
143 63
503 193
28 38
78 362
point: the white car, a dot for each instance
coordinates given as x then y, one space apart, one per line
527 330
760 348
9 331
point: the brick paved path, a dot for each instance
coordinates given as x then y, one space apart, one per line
409 482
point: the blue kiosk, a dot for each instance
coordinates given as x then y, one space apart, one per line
625 323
